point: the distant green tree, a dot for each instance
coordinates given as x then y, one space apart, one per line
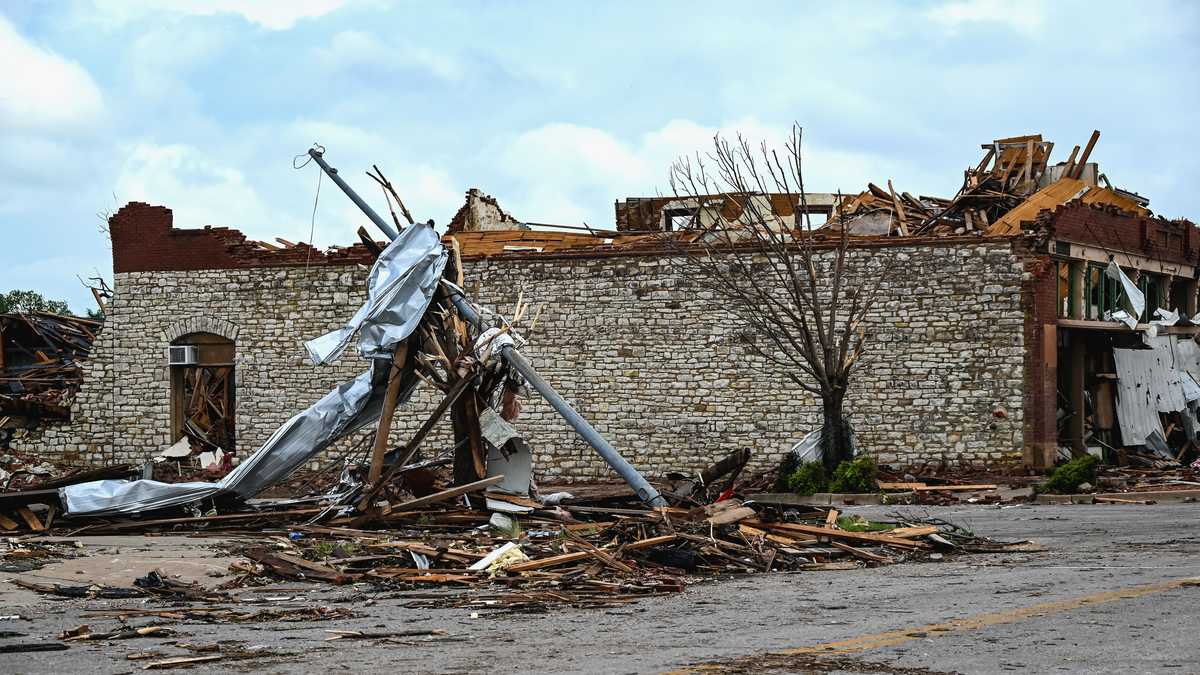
95 314
30 301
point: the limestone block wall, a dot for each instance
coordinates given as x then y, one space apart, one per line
650 361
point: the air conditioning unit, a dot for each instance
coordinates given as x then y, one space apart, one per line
183 355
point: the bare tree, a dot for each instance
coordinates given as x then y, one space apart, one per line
798 293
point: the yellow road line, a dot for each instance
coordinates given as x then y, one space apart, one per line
894 637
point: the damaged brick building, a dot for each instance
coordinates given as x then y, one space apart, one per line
992 347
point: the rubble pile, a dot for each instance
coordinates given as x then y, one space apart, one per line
529 555
40 364
1012 183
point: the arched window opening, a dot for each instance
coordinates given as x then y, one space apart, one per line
203 392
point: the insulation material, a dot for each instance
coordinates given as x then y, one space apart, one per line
401 285
1165 319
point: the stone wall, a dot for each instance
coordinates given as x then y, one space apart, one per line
650 361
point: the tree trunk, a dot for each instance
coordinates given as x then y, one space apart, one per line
835 434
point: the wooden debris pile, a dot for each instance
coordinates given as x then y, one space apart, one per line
41 358
1011 184
579 555
879 212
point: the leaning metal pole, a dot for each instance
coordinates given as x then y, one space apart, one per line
519 363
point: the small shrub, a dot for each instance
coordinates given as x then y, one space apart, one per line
807 479
786 467
855 476
1067 478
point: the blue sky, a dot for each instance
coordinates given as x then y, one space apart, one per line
556 108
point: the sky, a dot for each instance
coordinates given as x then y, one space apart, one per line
557 109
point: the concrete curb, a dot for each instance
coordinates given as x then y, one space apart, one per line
1161 496
876 499
833 498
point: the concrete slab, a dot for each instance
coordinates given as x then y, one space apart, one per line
117 560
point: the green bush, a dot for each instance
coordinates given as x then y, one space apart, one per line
1067 478
855 476
806 479
786 468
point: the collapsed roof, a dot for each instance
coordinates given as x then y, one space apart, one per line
40 362
1009 187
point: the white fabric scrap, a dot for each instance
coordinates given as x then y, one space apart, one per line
1165 318
1137 300
1123 317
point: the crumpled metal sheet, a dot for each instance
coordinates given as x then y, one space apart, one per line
399 298
1154 380
398 290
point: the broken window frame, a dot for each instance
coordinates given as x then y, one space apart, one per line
1150 286
1108 292
1067 285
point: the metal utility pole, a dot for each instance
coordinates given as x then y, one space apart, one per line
644 490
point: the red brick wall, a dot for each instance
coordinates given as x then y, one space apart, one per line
1039 295
1167 240
143 241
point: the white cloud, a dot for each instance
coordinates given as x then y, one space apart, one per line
1023 16
567 173
198 190
428 190
357 49
41 91
270 14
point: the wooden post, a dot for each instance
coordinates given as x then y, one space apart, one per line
468 442
1087 153
1078 348
385 415
1078 285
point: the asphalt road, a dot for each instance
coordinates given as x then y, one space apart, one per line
1109 595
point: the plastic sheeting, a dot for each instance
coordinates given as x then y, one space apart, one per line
400 287
1137 300
809 447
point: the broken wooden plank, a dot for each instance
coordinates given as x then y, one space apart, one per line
1118 500
831 518
859 553
884 485
31 519
296 567
730 516
181 661
909 532
380 446
582 555
444 495
276 516
869 537
956 488
600 555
